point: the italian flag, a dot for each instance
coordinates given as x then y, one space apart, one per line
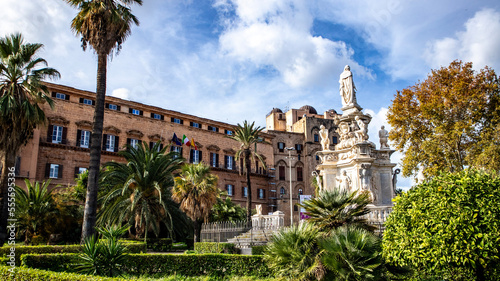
185 140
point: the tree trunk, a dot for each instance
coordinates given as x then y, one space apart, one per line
9 162
89 217
249 186
197 230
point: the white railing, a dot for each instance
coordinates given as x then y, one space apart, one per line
274 221
378 214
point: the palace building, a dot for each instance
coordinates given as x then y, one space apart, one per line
59 150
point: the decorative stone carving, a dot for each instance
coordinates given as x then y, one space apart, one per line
347 88
395 179
383 135
318 180
135 133
112 129
365 174
259 209
325 140
345 181
362 133
84 124
58 120
156 137
213 147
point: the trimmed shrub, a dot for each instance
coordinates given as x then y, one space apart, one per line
132 247
258 250
215 248
167 264
159 244
23 273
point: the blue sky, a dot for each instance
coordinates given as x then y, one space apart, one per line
234 60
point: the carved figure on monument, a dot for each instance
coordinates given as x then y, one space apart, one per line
345 181
365 174
383 134
325 141
259 209
362 133
347 87
318 181
395 179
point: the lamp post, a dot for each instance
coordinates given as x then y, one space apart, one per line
289 149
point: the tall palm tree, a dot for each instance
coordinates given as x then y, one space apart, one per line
196 190
104 25
35 209
21 93
339 207
140 192
248 135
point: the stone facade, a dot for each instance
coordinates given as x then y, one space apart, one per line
127 121
297 128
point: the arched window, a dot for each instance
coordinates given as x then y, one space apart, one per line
300 191
282 190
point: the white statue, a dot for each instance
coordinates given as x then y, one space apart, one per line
420 175
345 181
362 133
325 141
383 135
259 209
365 174
347 88
318 181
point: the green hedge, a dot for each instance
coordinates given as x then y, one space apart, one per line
159 244
258 250
133 247
23 273
215 248
167 264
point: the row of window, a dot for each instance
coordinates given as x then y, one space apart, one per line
139 112
261 193
281 173
55 171
283 191
281 147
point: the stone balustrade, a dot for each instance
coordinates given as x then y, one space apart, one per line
274 221
378 214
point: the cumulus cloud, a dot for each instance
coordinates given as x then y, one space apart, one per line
121 93
478 43
278 34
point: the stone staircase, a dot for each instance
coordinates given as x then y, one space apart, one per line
253 237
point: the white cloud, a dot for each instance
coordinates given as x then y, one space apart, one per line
278 34
478 43
121 93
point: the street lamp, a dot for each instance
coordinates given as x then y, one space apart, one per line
289 149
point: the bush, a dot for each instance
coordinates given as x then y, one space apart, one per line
448 227
159 244
22 273
166 264
258 250
132 247
215 248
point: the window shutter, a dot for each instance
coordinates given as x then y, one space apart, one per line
129 110
117 143
49 132
161 146
106 105
128 141
47 168
191 124
217 160
77 169
118 108
201 155
162 117
81 100
93 102
141 112
172 119
234 164
217 130
60 171
64 135
53 94
78 137
66 97
180 152
152 115
182 122
104 139
211 159
225 161
191 156
151 144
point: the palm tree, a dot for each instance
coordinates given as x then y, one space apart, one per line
21 93
196 190
104 25
140 192
248 136
227 210
332 209
35 209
